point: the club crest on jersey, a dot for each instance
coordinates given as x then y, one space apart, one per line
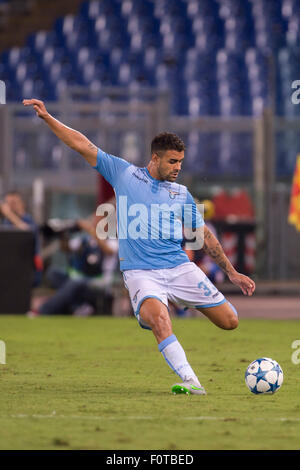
172 193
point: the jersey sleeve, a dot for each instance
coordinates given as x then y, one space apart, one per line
110 166
192 218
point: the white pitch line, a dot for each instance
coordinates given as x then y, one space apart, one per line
232 418
53 415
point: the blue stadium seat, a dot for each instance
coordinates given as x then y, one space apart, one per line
293 31
174 8
16 55
198 106
257 72
76 40
208 32
34 88
290 9
51 55
176 34
142 24
198 65
212 54
25 70
41 39
90 71
270 26
202 153
105 22
69 23
204 9
94 8
235 157
238 34
287 148
141 41
143 32
136 7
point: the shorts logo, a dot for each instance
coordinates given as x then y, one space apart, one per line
135 296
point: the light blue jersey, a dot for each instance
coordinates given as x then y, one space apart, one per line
151 214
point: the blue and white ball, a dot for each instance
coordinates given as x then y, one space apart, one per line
264 375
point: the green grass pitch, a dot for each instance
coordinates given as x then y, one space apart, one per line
100 383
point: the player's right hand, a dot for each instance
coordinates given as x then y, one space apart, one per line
38 106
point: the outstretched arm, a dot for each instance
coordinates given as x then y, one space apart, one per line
74 139
214 249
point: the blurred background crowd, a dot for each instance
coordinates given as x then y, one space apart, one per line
219 73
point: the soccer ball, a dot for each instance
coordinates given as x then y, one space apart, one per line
264 375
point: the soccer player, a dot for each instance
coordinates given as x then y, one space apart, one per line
155 267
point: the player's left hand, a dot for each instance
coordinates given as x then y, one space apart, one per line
246 284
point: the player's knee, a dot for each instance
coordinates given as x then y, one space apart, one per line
156 315
232 320
160 322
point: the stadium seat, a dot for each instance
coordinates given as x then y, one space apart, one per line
190 47
135 7
202 153
94 8
50 55
174 8
214 57
41 40
270 26
235 154
205 8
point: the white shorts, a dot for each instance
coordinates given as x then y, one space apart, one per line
185 285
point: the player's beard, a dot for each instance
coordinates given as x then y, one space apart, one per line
172 176
168 176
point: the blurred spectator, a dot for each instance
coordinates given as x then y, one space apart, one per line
13 212
235 206
92 263
235 219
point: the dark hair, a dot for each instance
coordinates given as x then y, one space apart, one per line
166 141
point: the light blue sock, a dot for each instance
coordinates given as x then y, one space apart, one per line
175 357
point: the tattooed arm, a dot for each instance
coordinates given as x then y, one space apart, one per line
70 137
213 248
